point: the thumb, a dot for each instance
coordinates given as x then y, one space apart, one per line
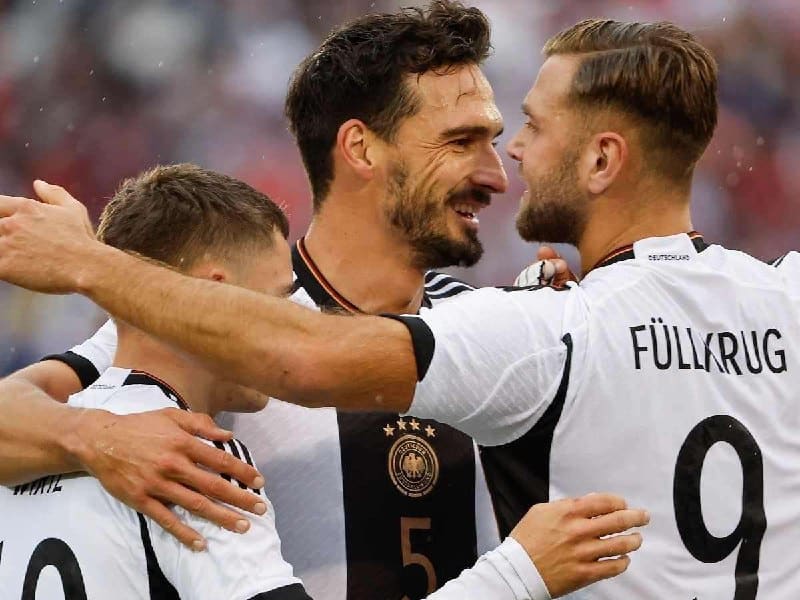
53 194
546 253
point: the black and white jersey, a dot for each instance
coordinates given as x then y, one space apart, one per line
669 375
64 536
367 505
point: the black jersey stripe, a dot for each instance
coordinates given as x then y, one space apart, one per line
237 454
442 281
518 473
160 587
450 291
248 459
221 446
776 262
294 591
83 367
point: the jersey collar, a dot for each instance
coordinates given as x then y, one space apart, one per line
142 378
322 292
628 252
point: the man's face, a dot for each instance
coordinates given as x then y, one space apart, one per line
443 167
267 270
554 206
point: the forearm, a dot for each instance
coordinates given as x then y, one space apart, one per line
505 573
266 343
38 436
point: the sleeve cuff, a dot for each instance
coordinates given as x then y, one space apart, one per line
422 339
83 367
523 566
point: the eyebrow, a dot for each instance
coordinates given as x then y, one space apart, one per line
472 130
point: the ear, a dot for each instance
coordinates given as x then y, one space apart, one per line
608 153
212 270
352 144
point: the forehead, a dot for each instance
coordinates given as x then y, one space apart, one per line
553 83
454 98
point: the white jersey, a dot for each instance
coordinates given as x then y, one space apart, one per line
64 536
669 375
351 512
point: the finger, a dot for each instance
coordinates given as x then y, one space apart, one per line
605 569
592 505
170 523
53 194
546 252
618 521
204 507
214 486
614 546
559 264
199 425
221 462
11 204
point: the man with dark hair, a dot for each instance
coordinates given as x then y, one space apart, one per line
395 123
629 380
210 226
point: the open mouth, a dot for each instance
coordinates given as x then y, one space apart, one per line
468 211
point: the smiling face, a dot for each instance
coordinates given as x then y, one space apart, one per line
442 167
555 204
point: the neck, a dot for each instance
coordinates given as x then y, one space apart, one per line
367 264
617 222
136 350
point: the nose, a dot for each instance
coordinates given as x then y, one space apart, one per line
514 147
491 174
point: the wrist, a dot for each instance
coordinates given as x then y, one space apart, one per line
94 265
76 444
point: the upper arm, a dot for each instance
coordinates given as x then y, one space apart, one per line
496 358
55 378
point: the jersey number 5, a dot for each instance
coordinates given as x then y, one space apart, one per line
749 531
54 552
407 524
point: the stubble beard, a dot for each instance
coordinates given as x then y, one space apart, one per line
422 221
556 210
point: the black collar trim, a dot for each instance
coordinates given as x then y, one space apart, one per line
142 378
626 252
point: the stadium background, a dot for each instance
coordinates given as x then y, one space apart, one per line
93 92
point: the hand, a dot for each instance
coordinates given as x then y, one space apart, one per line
565 540
549 269
43 244
149 460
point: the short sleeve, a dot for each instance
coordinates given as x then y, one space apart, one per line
234 566
93 356
496 357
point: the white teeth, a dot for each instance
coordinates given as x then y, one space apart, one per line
470 209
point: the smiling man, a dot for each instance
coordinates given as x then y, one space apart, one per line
563 387
396 124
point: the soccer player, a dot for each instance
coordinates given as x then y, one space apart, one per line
375 86
210 226
205 225
677 359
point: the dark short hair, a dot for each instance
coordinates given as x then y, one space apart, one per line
358 73
656 73
177 213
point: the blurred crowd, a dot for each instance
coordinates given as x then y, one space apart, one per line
93 92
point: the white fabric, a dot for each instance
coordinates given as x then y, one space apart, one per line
105 536
506 572
497 364
298 451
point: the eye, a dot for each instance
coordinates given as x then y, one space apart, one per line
461 142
